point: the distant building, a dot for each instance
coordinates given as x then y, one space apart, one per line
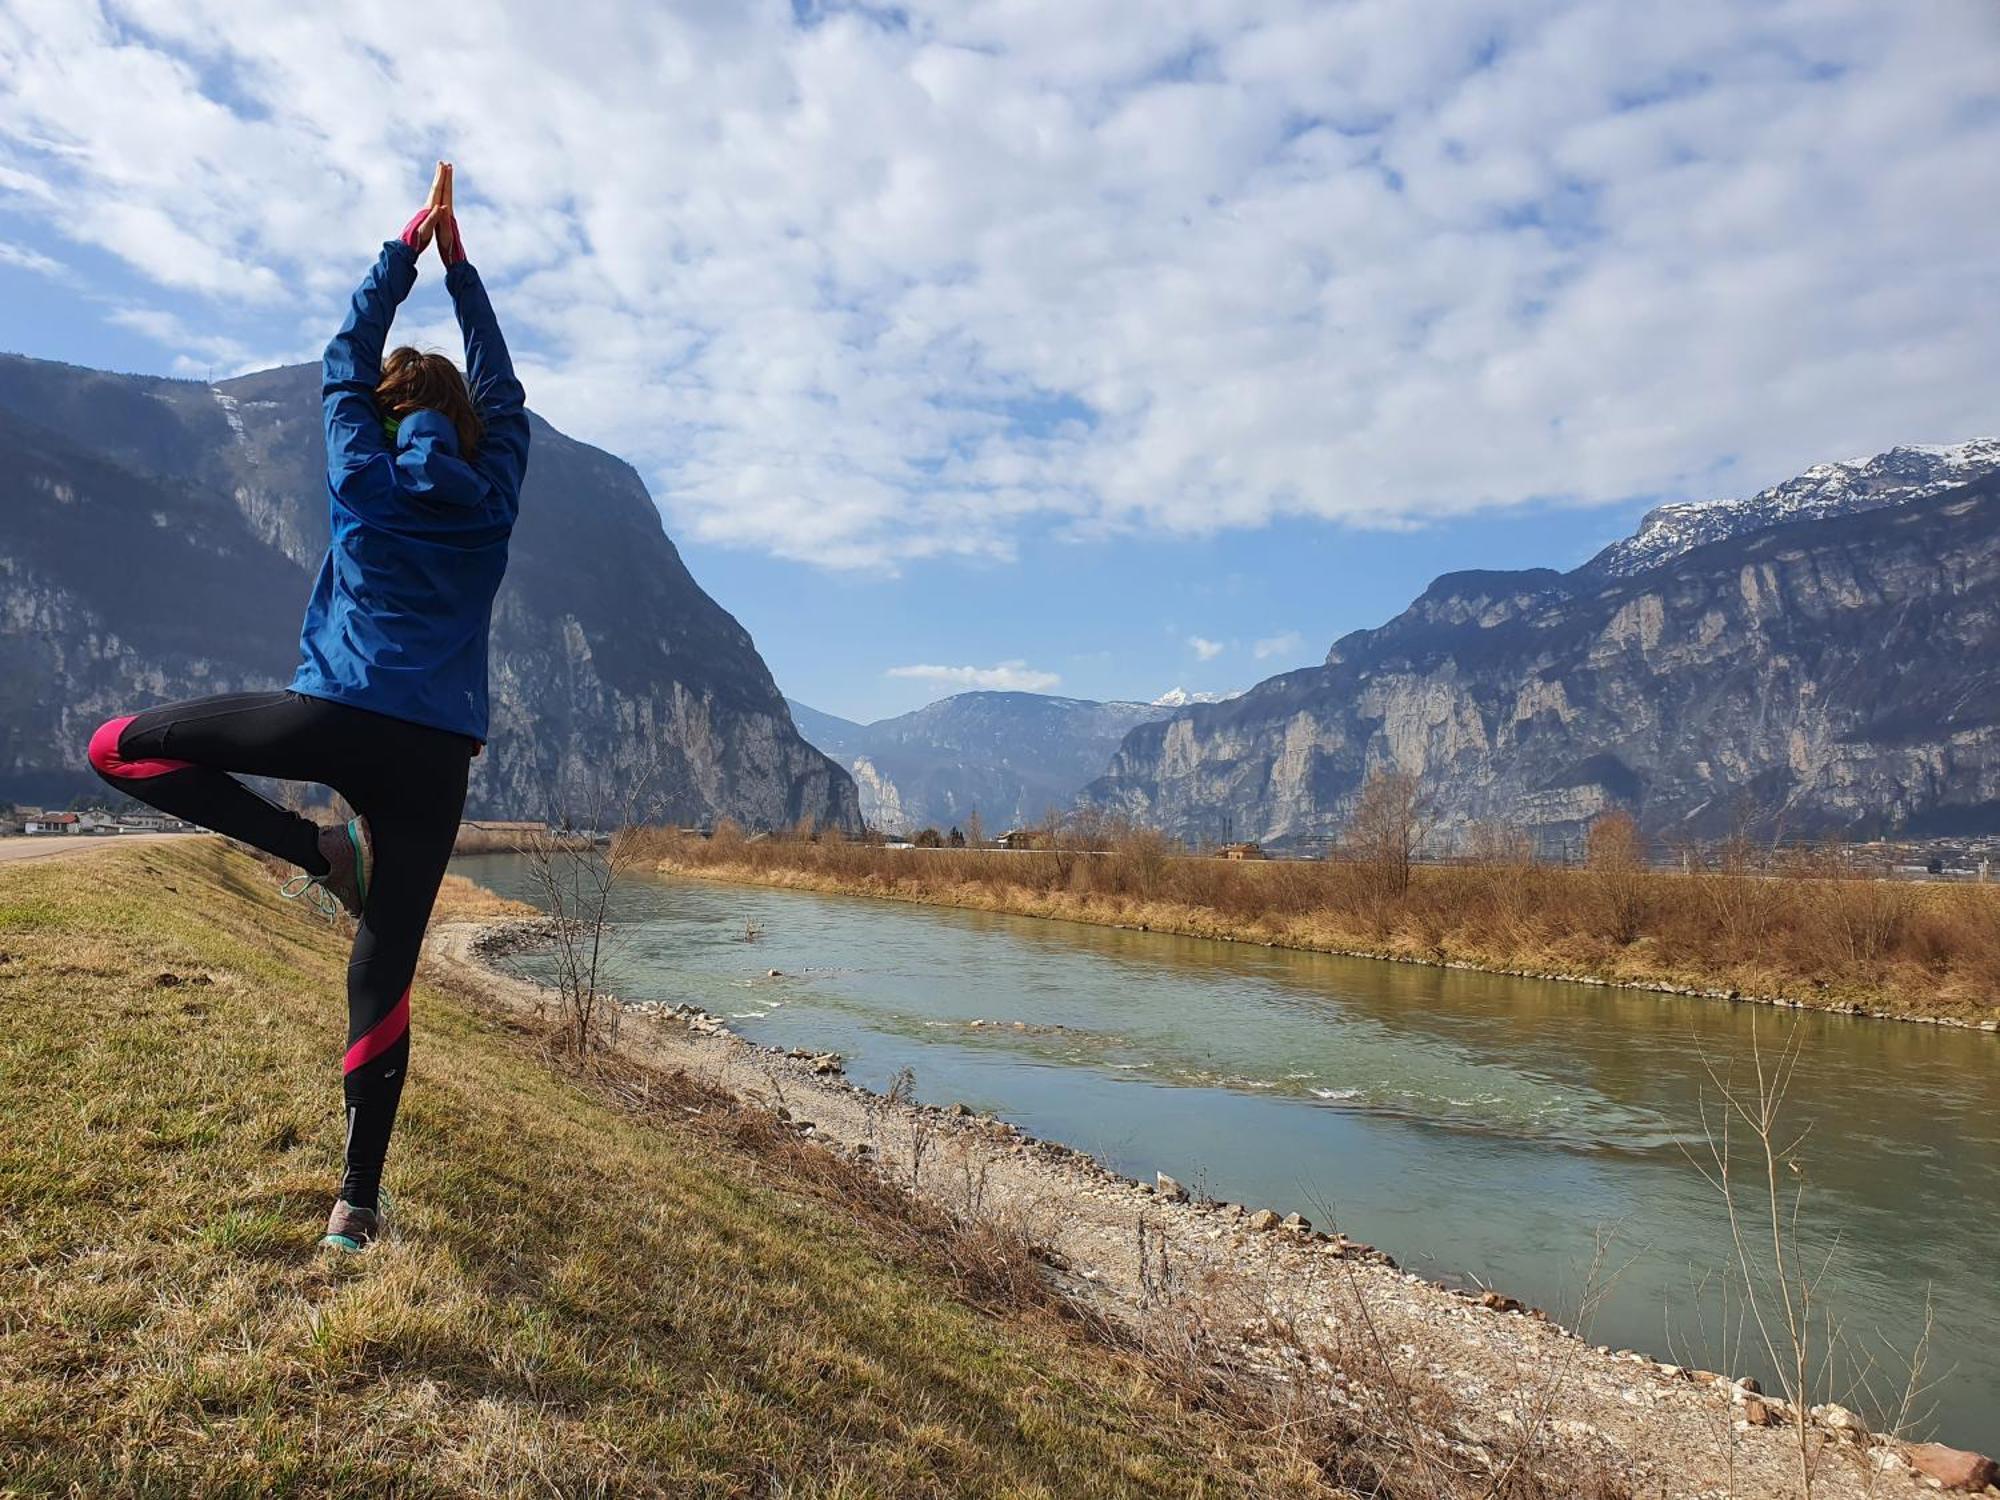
1020 838
47 822
1244 851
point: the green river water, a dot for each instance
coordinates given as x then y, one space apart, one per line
1478 1128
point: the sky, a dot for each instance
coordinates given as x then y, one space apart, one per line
1080 347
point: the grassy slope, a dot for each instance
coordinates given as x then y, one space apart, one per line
579 1300
1887 947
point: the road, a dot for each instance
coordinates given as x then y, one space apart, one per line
60 845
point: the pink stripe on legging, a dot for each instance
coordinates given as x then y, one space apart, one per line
380 1037
105 757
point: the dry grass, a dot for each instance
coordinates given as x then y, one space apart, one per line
610 1283
459 900
1807 934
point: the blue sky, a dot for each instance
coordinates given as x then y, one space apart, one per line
1091 347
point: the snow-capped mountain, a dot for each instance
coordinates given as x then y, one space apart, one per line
1824 674
1901 475
1180 697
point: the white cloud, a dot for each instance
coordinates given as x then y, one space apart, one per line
1203 648
1006 676
1284 644
861 291
197 354
31 260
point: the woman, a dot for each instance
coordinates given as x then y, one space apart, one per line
388 705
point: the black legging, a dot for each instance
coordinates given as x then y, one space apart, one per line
407 780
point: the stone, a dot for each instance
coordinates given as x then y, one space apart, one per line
1169 1189
774 973
1954 1468
1841 1420
1264 1219
961 1110
1297 1223
1757 1414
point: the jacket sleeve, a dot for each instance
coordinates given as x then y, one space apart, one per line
502 404
352 368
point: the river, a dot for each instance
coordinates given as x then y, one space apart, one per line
1479 1128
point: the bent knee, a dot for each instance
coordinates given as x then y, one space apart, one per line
106 759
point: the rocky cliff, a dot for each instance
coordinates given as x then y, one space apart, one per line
1010 757
1826 674
160 543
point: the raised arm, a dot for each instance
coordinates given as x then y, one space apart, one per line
489 370
352 367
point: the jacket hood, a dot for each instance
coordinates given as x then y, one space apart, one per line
428 457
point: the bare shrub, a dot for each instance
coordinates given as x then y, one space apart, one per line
1139 859
1491 843
1387 829
574 878
1859 918
575 863
1615 854
1754 1160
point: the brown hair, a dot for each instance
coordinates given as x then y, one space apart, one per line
415 381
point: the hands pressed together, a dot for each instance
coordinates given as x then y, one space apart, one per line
435 221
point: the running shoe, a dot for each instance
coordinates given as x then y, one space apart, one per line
352 1230
350 858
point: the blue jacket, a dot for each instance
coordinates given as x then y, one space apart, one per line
401 609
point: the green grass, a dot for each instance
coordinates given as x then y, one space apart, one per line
581 1299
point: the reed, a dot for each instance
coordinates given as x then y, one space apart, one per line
1804 928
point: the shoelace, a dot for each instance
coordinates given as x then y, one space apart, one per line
312 889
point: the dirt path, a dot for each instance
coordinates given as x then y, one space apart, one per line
1502 1384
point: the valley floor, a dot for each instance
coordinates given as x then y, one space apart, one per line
694 1267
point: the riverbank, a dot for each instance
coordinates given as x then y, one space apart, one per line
1245 1288
1883 949
614 1280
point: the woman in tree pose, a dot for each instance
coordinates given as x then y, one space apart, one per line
388 705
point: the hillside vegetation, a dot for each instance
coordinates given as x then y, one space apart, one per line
1811 932
599 1285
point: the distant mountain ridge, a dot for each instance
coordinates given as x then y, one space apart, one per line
1010 757
1902 474
161 540
1832 670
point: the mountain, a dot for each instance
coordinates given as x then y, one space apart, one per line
162 537
1008 756
828 732
1824 490
1832 673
